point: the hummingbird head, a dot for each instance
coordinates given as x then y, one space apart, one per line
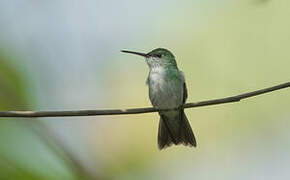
157 57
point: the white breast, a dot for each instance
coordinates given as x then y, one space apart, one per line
157 76
163 93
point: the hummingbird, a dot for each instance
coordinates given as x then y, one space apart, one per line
168 94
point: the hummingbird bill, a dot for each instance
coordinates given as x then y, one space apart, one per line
167 91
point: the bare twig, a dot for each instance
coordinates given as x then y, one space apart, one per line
31 114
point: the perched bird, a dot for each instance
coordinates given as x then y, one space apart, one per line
167 90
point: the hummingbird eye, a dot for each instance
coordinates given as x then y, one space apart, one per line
159 55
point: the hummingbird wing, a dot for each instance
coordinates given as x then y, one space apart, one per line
184 87
184 93
187 136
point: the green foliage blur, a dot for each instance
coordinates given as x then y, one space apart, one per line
12 95
21 149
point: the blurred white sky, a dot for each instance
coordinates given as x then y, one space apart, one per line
72 43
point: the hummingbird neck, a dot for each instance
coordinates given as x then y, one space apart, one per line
162 67
161 63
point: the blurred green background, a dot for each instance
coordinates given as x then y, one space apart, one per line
65 55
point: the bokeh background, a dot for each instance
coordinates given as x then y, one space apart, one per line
65 55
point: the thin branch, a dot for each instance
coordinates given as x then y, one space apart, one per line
231 99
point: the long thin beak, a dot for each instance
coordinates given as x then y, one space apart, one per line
137 53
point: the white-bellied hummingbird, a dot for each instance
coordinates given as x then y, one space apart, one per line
167 90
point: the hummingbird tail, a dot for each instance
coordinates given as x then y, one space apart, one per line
174 128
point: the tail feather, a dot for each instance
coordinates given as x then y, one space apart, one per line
187 136
175 130
164 138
